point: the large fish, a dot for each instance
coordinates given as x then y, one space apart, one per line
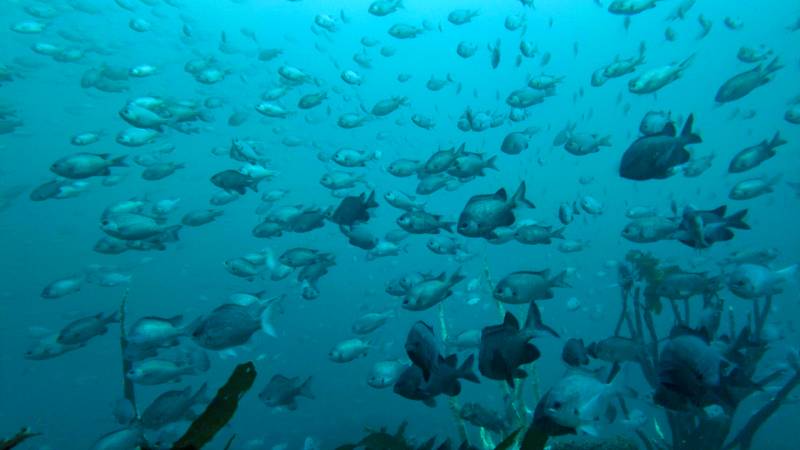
484 213
655 156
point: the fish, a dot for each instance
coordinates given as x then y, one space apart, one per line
689 370
353 210
384 374
701 229
484 213
656 156
743 83
575 353
656 79
753 156
522 287
80 331
575 404
172 406
428 293
78 166
751 281
616 349
233 324
506 347
282 392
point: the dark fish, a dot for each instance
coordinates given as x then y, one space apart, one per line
233 324
505 347
574 353
480 416
743 83
688 371
352 210
655 156
754 155
422 347
616 349
282 391
701 229
484 213
234 181
172 406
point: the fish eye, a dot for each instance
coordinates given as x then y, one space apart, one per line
556 405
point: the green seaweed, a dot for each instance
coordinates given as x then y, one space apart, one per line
220 411
382 440
509 441
534 439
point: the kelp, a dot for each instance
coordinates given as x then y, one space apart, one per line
594 443
382 440
128 392
452 402
220 411
21 436
638 281
534 439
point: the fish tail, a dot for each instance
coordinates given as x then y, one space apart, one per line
490 163
773 66
776 141
305 388
456 277
199 361
119 161
560 280
737 220
534 320
519 196
253 184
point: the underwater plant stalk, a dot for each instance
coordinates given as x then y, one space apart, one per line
128 390
452 402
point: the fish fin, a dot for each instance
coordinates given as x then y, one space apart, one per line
501 194
305 389
511 321
175 320
669 130
510 381
292 405
587 429
429 402
519 196
558 234
465 370
591 350
687 136
239 190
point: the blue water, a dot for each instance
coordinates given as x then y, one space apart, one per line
69 399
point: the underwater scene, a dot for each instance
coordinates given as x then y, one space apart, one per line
399 224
